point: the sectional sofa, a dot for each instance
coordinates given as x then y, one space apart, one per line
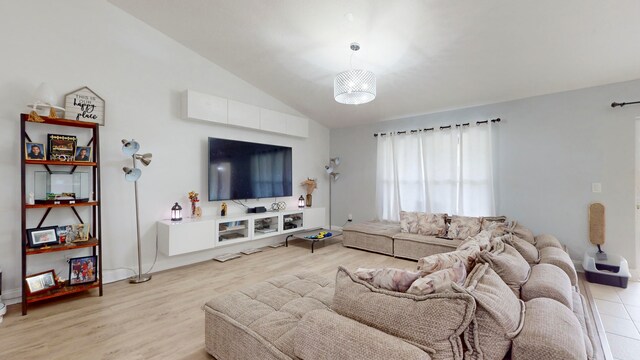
514 299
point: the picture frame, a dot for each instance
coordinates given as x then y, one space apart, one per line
79 156
44 236
80 233
83 270
40 282
61 147
30 154
65 233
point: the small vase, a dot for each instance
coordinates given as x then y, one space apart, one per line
308 202
193 209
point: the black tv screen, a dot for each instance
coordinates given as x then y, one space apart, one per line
245 170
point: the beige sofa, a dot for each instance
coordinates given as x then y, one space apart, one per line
494 315
386 238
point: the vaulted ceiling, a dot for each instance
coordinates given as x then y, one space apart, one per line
428 55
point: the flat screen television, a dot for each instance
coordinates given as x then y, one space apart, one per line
245 170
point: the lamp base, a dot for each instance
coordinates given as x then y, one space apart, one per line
139 279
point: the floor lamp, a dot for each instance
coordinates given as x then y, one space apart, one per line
333 176
130 148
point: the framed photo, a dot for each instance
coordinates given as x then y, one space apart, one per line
41 282
35 151
44 236
65 233
62 147
83 270
80 232
83 153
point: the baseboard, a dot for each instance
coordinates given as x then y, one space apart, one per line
110 276
11 297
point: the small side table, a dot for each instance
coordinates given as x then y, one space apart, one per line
303 236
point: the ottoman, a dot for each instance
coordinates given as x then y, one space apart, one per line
259 322
376 236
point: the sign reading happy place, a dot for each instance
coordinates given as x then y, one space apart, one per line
84 105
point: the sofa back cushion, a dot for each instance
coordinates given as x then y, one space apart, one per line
508 264
522 232
423 223
433 322
461 227
437 262
499 314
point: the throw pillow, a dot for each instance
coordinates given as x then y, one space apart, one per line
409 222
439 281
432 322
498 318
462 227
482 239
508 264
388 278
437 262
432 224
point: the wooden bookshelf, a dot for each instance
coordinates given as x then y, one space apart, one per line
44 206
63 247
62 291
95 211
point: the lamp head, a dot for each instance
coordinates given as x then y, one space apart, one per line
328 169
145 159
336 161
130 147
131 174
335 176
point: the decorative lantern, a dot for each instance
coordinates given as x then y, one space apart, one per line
176 212
301 202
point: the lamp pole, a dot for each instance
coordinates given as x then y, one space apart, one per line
140 278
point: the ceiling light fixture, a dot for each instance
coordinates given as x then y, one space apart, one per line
354 86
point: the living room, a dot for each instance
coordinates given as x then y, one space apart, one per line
549 72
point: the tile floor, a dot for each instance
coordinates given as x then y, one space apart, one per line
619 310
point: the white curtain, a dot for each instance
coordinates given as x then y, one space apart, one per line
448 171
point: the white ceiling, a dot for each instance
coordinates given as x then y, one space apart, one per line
428 55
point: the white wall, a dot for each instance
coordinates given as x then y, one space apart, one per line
550 149
140 73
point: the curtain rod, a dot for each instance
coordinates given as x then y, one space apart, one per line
616 104
441 128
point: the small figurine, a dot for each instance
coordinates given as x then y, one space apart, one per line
31 200
223 209
198 212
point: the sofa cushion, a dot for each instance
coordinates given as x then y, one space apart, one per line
388 278
423 223
522 232
550 332
545 240
559 258
482 239
461 227
548 281
433 322
415 246
585 323
509 264
264 315
526 249
440 280
498 317
371 235
316 334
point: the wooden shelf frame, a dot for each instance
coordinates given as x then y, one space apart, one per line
95 244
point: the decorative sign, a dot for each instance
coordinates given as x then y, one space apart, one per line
84 105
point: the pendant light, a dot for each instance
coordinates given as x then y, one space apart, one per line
354 86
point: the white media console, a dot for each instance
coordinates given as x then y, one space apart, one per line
197 234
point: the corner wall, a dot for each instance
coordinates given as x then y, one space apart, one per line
140 73
550 149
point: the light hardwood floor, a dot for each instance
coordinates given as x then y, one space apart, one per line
161 319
